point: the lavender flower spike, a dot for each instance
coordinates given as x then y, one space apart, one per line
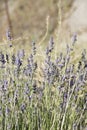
74 38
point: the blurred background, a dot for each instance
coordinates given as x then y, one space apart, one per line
30 18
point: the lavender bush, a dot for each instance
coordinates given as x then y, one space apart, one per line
57 102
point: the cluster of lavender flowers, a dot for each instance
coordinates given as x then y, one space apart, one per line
59 101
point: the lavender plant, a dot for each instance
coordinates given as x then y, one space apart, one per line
58 102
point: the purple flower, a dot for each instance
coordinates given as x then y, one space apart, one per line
74 38
7 58
18 62
33 48
8 35
2 58
23 107
13 59
21 54
5 85
51 43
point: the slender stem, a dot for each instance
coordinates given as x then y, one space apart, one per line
67 106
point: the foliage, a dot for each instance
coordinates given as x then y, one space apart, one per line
55 101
